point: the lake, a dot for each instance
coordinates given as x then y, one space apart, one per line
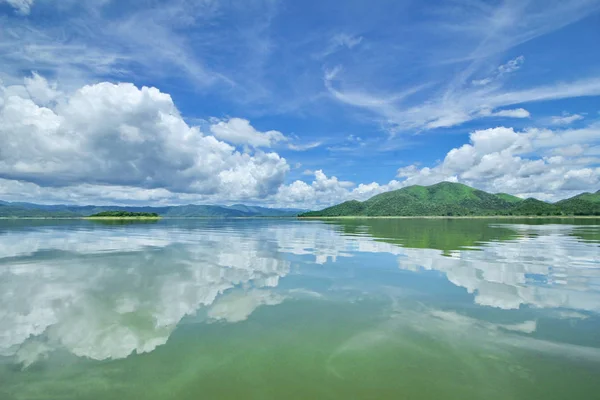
287 309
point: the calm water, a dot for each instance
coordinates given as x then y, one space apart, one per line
284 309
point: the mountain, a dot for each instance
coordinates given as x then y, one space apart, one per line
533 206
33 210
509 197
455 199
444 198
582 204
15 211
266 212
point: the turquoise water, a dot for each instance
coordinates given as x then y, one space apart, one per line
270 309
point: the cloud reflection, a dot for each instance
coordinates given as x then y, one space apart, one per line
107 293
100 297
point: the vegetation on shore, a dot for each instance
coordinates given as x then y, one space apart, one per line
125 215
455 199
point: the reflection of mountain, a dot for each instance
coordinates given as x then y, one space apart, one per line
441 234
544 268
503 265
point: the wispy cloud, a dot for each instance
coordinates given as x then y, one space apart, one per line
513 113
462 105
304 147
22 7
155 40
565 119
339 41
511 66
476 90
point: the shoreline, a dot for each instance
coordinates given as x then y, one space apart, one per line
120 218
460 217
317 218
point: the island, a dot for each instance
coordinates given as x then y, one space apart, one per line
450 199
124 215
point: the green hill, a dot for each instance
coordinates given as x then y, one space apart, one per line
8 210
582 204
442 199
455 199
533 206
509 197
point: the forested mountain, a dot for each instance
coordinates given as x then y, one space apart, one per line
455 199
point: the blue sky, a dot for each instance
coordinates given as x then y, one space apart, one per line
291 103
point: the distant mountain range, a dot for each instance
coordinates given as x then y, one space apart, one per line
442 199
455 199
32 210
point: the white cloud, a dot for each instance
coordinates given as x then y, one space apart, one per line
503 160
80 44
323 190
344 39
457 105
511 66
548 165
478 36
565 119
239 131
40 90
514 113
122 136
304 147
482 82
22 7
338 42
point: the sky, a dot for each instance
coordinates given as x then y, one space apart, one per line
295 103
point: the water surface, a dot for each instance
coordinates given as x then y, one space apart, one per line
270 309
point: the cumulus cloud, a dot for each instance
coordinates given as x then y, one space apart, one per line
503 160
22 7
40 90
325 191
239 131
124 136
549 165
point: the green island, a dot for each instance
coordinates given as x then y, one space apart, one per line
448 199
124 215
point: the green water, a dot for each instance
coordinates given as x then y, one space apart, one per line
270 309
